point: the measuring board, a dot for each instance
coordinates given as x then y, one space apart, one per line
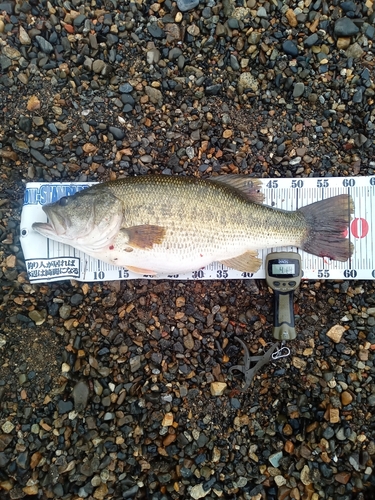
47 260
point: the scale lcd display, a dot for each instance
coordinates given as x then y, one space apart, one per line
284 269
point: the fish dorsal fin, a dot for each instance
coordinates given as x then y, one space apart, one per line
248 262
247 185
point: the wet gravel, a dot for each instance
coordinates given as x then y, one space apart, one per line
120 390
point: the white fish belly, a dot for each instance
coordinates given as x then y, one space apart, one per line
174 258
159 261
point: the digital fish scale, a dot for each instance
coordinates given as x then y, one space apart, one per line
283 275
47 260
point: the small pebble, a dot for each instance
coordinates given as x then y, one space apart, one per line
80 395
299 89
290 48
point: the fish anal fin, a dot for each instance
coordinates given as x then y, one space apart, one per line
248 262
247 185
145 236
140 270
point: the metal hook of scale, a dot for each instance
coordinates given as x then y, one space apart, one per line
283 352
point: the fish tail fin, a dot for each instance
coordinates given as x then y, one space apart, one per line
328 222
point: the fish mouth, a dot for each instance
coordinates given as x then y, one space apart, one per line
43 228
57 225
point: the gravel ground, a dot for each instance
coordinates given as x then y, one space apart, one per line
121 390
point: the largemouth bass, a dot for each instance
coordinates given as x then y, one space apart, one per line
165 224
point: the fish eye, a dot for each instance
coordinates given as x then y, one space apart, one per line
63 201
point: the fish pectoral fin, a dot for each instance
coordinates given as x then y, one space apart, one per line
145 236
140 270
248 262
247 185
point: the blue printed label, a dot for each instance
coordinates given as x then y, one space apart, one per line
49 193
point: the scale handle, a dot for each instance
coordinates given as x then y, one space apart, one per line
283 316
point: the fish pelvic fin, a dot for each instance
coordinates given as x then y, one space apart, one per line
327 226
248 262
141 270
145 236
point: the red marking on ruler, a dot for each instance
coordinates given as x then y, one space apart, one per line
359 227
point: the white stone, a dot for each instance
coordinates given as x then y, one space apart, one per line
336 333
7 427
197 491
280 480
218 388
